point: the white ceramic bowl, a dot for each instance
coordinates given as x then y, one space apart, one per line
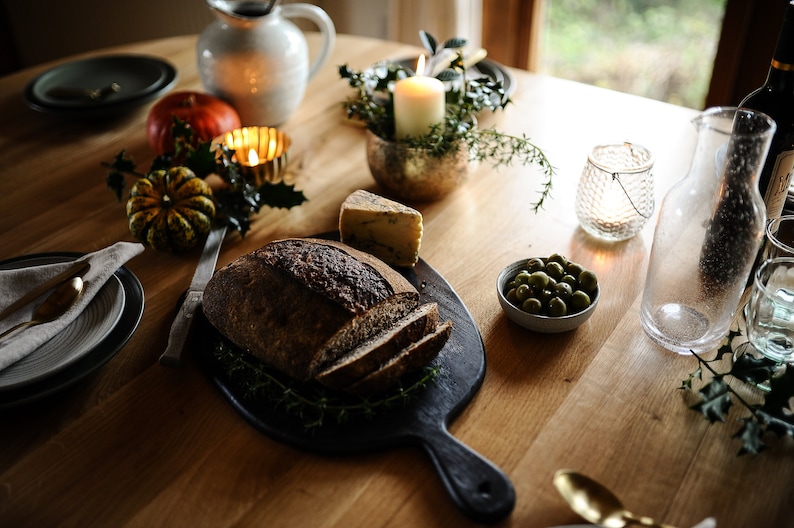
540 323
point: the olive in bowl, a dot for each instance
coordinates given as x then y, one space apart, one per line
548 294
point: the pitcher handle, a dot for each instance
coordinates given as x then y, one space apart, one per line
325 25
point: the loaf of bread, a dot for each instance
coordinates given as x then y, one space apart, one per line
319 310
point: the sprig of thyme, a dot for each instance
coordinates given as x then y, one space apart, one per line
772 414
466 97
235 203
312 403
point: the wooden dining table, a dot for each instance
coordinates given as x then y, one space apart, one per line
135 443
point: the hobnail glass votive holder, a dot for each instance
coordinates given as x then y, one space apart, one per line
614 199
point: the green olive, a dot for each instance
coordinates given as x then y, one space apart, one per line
523 292
532 305
555 270
557 307
563 290
521 278
559 259
535 264
588 281
545 296
511 296
574 269
570 279
579 300
538 280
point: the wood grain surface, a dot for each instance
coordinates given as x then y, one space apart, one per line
137 444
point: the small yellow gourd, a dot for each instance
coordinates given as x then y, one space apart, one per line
170 210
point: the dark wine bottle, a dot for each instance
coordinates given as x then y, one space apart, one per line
776 99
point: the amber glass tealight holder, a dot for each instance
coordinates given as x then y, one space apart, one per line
260 151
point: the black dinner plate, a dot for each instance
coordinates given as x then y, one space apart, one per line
142 79
479 489
99 355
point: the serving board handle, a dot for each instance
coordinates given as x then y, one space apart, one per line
479 488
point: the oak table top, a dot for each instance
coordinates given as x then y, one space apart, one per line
138 444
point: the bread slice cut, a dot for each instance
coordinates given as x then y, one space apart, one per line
411 358
372 353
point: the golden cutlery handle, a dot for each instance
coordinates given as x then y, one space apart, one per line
17 327
78 268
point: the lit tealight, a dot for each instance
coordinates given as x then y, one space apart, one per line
267 152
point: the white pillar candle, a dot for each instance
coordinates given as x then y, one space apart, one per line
419 104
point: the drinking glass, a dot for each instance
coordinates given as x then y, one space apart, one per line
770 310
614 199
779 240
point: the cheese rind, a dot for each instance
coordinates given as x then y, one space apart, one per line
384 228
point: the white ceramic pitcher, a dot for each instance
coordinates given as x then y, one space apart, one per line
257 60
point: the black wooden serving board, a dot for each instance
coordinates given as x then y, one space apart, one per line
478 488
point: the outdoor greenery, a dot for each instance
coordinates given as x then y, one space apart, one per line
662 49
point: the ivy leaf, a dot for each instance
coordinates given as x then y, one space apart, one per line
428 41
716 400
751 436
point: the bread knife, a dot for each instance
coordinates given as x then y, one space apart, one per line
180 328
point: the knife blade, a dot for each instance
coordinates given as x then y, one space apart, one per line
78 268
183 322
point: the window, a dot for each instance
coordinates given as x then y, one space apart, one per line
661 49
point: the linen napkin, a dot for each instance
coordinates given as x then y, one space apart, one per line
15 283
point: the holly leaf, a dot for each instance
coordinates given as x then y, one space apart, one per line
751 436
716 400
695 375
780 424
122 162
202 160
751 369
280 195
116 182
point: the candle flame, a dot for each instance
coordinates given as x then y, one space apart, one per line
420 65
253 158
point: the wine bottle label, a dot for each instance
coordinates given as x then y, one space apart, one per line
782 66
779 182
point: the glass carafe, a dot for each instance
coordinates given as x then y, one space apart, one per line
710 227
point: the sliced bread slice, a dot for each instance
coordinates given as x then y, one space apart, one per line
371 354
411 358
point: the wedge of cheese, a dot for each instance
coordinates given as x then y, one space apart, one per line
387 229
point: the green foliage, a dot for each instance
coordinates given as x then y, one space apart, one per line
654 48
773 415
466 97
312 403
236 203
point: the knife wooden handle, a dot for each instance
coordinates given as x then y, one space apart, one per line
181 330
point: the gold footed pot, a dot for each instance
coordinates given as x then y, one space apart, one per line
414 174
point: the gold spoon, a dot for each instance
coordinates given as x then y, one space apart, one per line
595 503
53 306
